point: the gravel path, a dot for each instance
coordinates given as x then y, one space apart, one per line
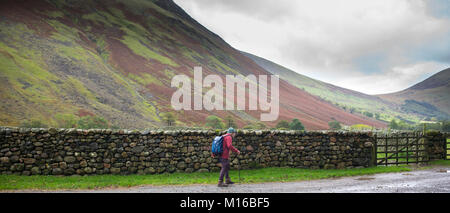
426 181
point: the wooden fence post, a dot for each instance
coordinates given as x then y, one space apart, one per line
386 151
396 151
375 149
407 149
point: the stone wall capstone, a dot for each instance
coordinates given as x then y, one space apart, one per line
52 151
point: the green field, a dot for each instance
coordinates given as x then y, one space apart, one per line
15 182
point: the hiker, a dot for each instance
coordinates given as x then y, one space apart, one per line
224 158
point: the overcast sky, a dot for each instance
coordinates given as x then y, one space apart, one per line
369 46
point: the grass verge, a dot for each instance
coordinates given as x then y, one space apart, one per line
16 182
440 163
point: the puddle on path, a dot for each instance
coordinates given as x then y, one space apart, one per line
365 178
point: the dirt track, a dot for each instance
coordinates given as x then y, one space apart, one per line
426 181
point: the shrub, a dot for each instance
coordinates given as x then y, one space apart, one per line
230 122
352 109
66 120
393 124
445 126
248 127
400 125
334 125
92 122
283 124
260 125
360 127
296 125
257 125
214 122
368 114
169 118
33 124
377 116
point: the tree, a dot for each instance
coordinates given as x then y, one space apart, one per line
402 125
352 110
334 125
214 122
377 116
431 126
66 120
257 125
249 126
92 122
368 114
169 118
445 126
283 124
296 125
393 124
230 122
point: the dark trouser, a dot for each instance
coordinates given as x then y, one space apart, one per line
225 168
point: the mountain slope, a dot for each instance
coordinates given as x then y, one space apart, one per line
430 94
346 99
429 98
116 59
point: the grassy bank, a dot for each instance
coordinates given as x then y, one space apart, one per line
13 182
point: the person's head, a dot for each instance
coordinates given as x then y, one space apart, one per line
231 131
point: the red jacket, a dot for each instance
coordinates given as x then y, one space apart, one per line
227 146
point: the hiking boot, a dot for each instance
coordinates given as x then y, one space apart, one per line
229 181
221 184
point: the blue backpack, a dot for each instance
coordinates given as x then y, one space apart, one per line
217 145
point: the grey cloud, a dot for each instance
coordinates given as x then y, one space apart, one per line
333 38
267 10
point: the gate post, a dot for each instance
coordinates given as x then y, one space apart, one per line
426 156
446 147
374 151
444 138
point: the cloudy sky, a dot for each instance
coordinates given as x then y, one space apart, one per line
370 46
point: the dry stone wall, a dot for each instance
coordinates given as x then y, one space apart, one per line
436 145
88 152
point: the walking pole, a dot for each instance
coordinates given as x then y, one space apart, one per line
239 167
239 170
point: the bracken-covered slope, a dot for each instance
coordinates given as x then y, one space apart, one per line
116 59
431 96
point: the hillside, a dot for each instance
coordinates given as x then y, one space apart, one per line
68 59
429 98
348 100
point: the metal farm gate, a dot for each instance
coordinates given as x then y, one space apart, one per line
400 148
